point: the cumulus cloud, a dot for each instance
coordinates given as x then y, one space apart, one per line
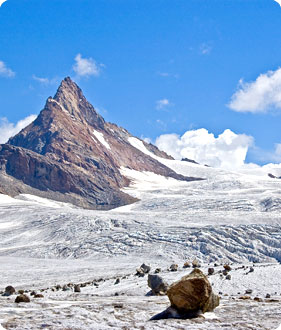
228 150
8 129
1 2
5 71
161 104
260 95
279 2
85 67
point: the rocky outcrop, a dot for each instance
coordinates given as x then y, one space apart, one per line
71 154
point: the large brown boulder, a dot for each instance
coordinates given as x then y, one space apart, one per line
193 293
189 297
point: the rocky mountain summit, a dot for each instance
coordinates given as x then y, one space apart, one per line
71 154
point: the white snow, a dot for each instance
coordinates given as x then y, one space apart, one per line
101 139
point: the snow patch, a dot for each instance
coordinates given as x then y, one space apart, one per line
101 139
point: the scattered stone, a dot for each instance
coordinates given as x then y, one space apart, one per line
251 269
33 293
267 295
249 291
195 263
145 268
228 277
9 290
227 267
258 299
174 268
139 272
58 287
186 265
117 281
245 297
116 294
157 284
20 291
225 272
157 271
22 298
38 295
65 288
77 288
211 271
118 306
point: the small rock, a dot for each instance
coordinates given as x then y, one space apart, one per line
117 281
227 267
77 288
267 295
20 291
186 265
258 299
33 293
228 277
157 270
9 290
65 288
225 272
211 271
251 269
174 268
139 272
145 268
249 291
38 295
245 297
58 287
22 298
157 284
195 263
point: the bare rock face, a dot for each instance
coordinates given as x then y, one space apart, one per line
193 293
71 154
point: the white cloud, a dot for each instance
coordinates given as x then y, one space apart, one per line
5 71
228 150
205 49
260 95
1 2
85 67
279 2
161 104
45 81
8 129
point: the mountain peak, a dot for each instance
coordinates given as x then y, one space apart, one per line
71 99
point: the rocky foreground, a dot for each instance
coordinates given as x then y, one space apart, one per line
121 299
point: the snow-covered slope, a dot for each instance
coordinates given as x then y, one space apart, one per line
227 216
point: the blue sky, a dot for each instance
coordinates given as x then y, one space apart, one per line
154 67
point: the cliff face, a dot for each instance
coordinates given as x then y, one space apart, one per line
69 153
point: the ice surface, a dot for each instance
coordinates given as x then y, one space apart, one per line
228 217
